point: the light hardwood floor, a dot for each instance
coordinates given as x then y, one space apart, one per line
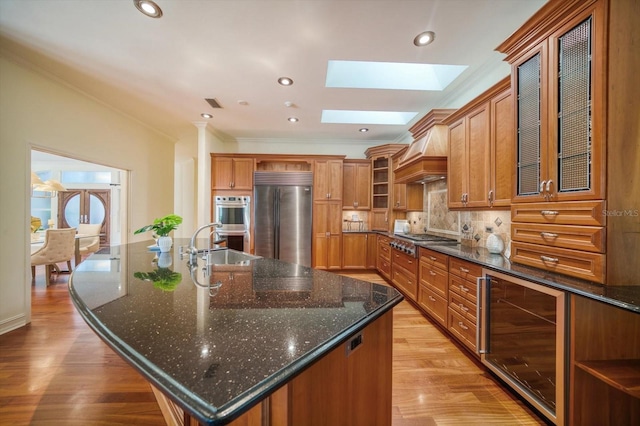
56 371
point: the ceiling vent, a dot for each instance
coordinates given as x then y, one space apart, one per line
213 103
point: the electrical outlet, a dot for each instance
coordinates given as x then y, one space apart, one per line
488 229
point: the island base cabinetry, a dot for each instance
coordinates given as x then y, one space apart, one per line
351 385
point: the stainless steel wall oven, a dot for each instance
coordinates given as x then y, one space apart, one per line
522 339
234 213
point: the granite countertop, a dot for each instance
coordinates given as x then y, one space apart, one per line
626 297
219 350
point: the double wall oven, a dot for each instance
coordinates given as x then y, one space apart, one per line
234 213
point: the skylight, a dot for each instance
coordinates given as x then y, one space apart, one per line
366 117
391 75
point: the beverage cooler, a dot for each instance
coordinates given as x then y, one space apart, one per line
522 339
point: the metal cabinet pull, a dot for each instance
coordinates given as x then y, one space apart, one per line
463 288
548 235
549 259
410 262
490 196
432 258
465 270
432 273
542 186
548 188
481 320
462 326
549 212
464 308
432 298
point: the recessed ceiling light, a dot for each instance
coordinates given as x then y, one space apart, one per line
149 8
292 119
363 130
205 115
424 38
285 81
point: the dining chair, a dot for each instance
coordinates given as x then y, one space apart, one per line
89 244
59 246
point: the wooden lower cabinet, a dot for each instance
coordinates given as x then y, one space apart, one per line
342 388
462 301
433 289
372 251
383 264
404 273
354 251
327 235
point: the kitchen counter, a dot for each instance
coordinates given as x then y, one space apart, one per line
218 344
626 297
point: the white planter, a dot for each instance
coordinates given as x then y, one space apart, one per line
165 244
164 260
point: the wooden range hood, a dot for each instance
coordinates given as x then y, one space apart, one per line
426 157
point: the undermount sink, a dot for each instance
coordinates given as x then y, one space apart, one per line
229 257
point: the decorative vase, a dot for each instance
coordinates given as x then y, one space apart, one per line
495 244
165 244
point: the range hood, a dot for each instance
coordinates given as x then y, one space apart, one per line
426 158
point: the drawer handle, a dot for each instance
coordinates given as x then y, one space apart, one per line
465 270
549 212
462 326
548 235
549 259
410 262
432 273
433 299
464 308
432 258
463 288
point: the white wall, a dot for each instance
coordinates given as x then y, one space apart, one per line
37 112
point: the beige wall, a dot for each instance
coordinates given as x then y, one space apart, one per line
37 112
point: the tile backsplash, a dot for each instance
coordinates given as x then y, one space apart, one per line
437 219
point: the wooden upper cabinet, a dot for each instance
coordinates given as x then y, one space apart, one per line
327 180
560 92
480 163
356 184
327 235
232 173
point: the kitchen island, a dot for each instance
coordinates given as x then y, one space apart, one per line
244 342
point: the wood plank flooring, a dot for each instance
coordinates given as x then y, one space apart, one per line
56 371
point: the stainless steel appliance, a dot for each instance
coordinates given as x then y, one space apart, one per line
234 213
522 339
283 215
407 242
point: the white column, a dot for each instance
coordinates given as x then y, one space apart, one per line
203 195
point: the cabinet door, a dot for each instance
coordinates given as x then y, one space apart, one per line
457 164
349 197
379 220
530 85
354 249
243 174
327 235
476 176
372 251
327 180
502 149
222 173
576 99
363 186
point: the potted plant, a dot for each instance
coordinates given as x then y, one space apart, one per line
161 228
163 278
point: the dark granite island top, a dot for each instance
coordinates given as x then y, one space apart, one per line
216 351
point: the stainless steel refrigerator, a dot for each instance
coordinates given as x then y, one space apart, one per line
283 205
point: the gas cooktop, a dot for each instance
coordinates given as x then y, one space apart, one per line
427 238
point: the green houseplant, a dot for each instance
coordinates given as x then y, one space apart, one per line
161 228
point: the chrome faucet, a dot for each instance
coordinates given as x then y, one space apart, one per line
193 250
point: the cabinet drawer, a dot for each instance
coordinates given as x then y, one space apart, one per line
407 262
434 278
384 250
562 213
434 258
464 288
588 238
468 271
434 305
462 329
405 280
581 264
384 267
462 306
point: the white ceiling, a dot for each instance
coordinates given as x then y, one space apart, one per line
160 70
